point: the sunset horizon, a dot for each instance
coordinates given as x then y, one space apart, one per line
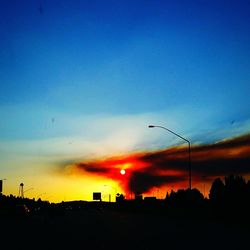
147 173
82 81
125 124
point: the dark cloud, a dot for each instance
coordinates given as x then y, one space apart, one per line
92 168
170 166
228 156
141 182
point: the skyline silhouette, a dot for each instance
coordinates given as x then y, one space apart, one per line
80 81
139 223
162 170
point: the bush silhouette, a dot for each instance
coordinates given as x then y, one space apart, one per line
217 191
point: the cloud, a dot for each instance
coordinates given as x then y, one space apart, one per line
146 170
86 143
142 182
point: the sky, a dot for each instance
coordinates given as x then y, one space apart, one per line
80 81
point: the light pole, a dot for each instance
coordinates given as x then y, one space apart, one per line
189 150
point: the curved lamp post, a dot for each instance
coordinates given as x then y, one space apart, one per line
189 150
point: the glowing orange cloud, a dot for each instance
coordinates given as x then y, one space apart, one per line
148 170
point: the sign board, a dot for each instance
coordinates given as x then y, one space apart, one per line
97 196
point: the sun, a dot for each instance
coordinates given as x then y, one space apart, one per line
123 171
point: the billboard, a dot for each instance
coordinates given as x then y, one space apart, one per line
97 196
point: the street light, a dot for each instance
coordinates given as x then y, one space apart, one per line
189 150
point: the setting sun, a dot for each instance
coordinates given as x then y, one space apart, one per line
123 172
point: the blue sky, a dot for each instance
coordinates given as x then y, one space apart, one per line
98 72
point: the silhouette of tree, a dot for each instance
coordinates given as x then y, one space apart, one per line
217 190
235 188
231 201
194 195
167 196
119 197
183 197
248 189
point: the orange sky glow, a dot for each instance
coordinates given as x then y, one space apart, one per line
168 169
